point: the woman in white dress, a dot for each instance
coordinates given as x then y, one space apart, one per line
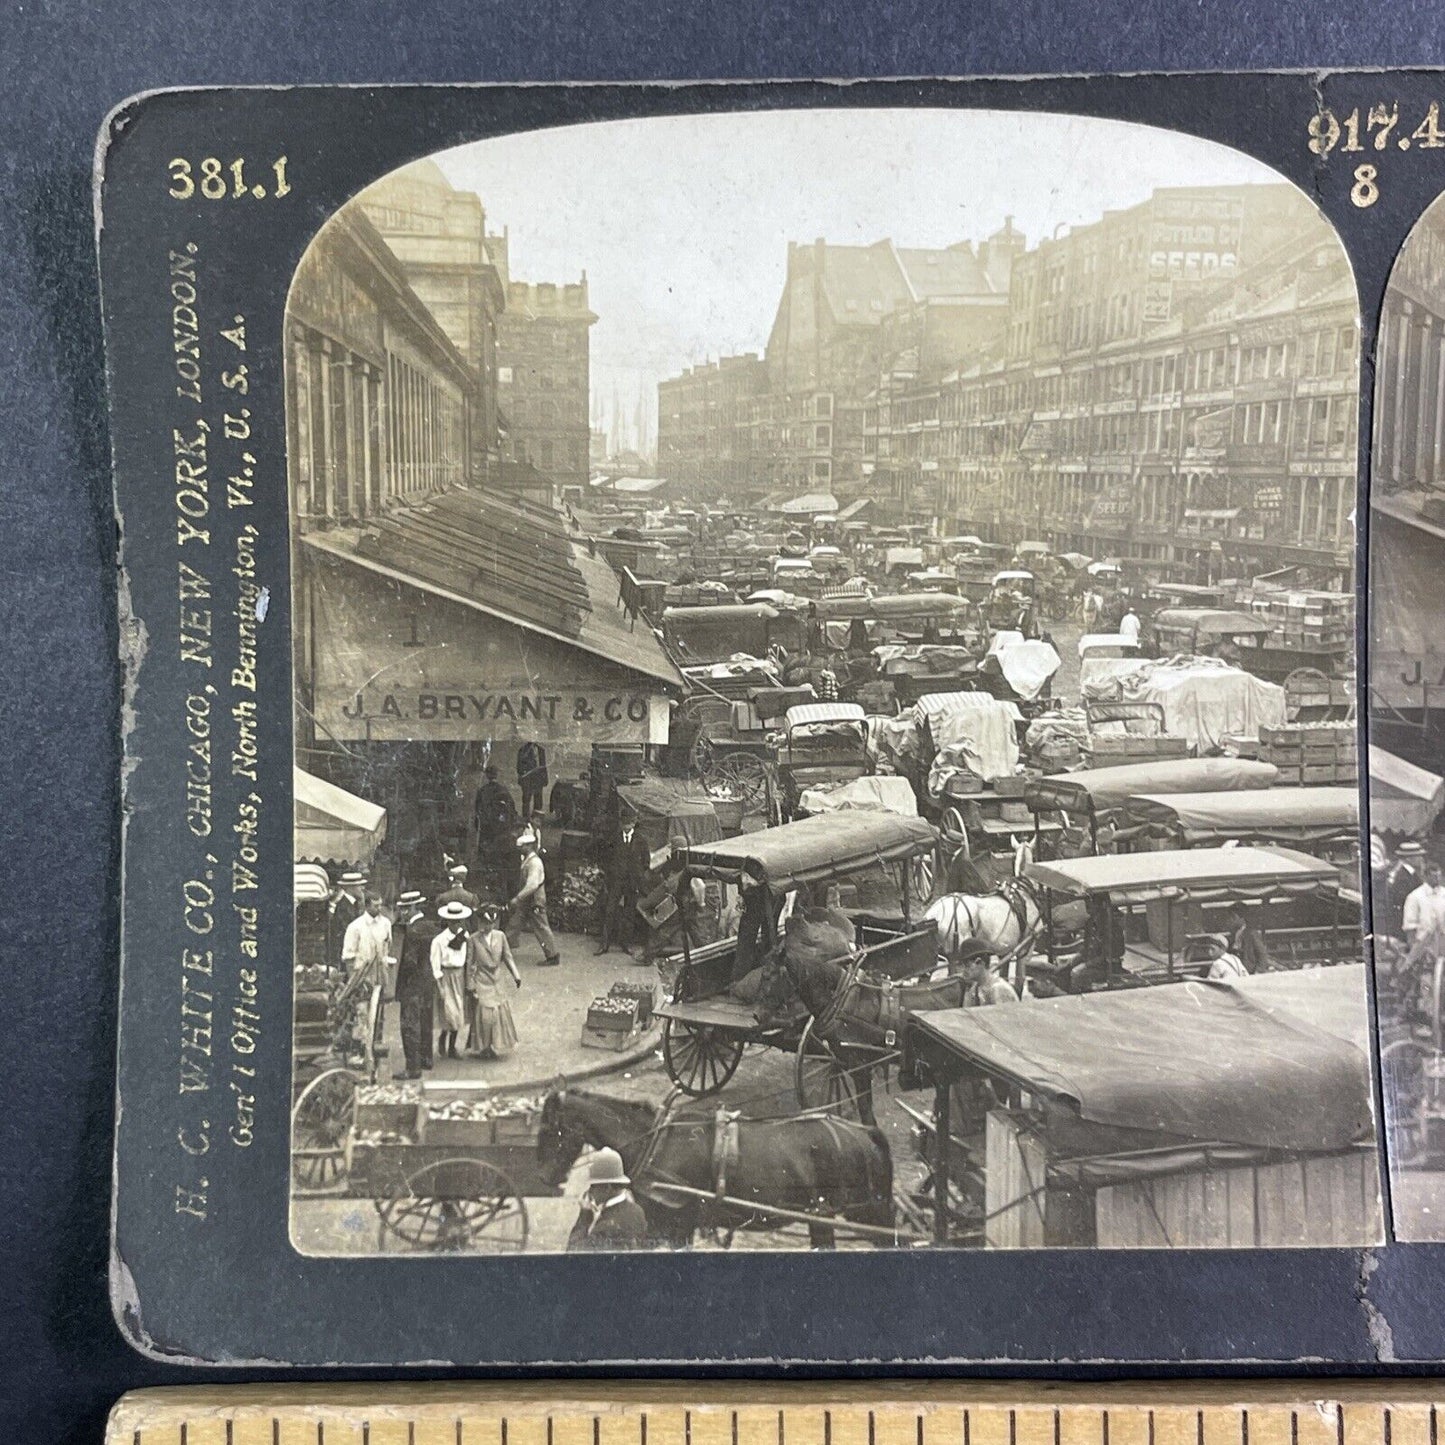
451 952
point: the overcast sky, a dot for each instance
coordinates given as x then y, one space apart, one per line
682 224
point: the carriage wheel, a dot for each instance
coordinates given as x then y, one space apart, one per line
745 775
702 754
700 1058
955 829
455 1206
1404 1092
820 1079
320 1121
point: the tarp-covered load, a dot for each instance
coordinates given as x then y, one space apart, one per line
973 729
1025 666
333 825
878 794
666 808
1204 699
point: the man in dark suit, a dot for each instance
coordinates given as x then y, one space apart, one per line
415 988
624 872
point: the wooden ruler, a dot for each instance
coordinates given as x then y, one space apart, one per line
858 1413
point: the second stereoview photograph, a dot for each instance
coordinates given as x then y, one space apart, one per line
824 695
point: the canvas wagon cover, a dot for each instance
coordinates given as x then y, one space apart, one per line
1268 1062
1099 789
813 849
686 808
1321 811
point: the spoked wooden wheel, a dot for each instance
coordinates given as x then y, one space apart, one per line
744 775
922 872
700 1059
702 754
1405 1089
455 1206
320 1121
820 1079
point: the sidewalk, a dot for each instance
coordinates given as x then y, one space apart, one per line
549 1010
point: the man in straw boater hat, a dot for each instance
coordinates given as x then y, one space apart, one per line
530 899
1404 876
451 952
415 986
610 1218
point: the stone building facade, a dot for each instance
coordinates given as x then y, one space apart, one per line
544 378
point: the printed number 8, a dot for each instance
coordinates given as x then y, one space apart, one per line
1365 192
213 183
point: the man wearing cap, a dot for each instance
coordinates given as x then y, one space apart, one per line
530 899
610 1218
457 891
451 952
415 988
1404 877
978 964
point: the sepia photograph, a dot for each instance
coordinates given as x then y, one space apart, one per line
1407 724
824 675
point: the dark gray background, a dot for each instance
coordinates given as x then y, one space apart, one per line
63 67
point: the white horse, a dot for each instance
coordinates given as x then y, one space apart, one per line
1007 919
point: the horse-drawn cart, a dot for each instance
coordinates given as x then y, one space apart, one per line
729 994
445 1174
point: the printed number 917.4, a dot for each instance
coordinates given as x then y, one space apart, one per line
215 180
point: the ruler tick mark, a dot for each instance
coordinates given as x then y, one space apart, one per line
827 1427
735 1428
872 1430
1151 1428
596 1430
1057 1427
1244 1425
1105 1429
642 1429
686 1428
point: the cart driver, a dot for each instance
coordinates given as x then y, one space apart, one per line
979 965
610 1217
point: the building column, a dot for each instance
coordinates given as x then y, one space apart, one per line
302 443
346 499
326 468
370 494
1401 324
1437 429
1424 412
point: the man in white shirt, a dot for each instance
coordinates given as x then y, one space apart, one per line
530 898
1423 922
1129 624
367 941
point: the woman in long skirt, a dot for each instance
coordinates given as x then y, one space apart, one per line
494 1034
451 952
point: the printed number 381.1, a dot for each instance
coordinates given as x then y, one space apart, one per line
215 180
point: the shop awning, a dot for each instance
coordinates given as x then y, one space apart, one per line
1403 798
638 485
853 508
332 825
811 504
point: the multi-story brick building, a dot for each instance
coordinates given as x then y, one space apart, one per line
544 377
1190 404
704 432
438 235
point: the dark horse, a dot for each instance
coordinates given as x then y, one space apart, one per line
860 1018
813 1165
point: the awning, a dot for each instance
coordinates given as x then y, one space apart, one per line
1211 514
332 825
638 485
1403 798
809 504
853 508
1268 1062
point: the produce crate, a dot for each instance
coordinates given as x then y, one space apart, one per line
1295 735
1010 787
1122 747
1240 744
389 1109
611 1023
644 993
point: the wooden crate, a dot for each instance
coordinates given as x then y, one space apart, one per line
609 1027
403 1118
